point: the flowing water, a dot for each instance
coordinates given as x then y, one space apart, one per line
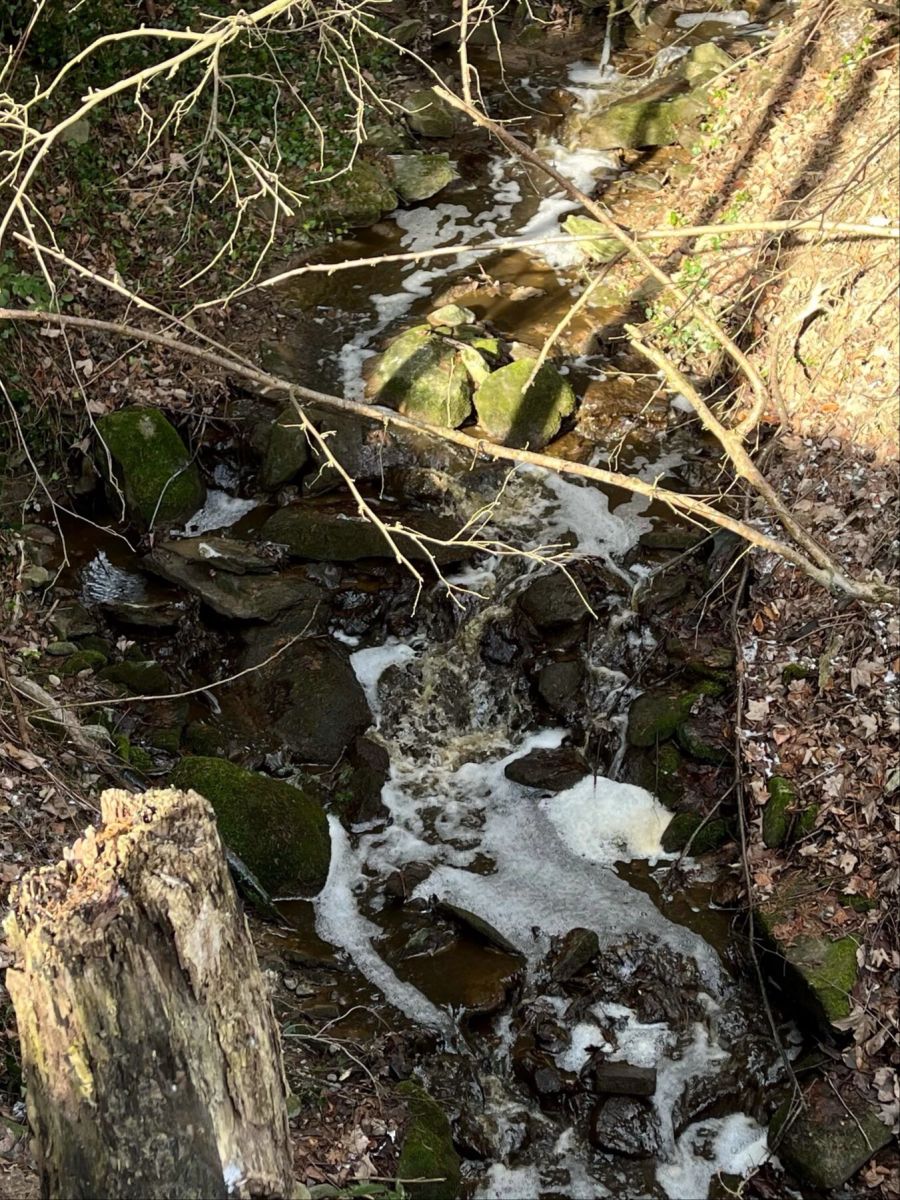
503 871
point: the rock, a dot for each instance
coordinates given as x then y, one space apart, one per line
418 177
287 450
152 466
623 1079
669 536
407 31
658 770
451 316
702 740
357 197
569 955
423 375
782 821
829 1139
280 832
559 685
628 1126
241 597
427 1149
140 678
481 927
72 621
704 62
309 698
320 536
428 115
33 577
554 770
530 420
401 884
552 601
82 660
204 739
602 248
227 554
60 649
356 794
686 828
634 124
817 973
537 1070
655 715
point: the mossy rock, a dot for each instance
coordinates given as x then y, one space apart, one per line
152 466
92 642
826 1142
795 670
418 177
655 715
427 1151
703 741
144 678
687 825
782 820
657 769
82 660
423 375
704 62
287 450
200 737
278 831
634 124
167 738
356 198
135 756
61 649
816 973
516 417
601 248
428 115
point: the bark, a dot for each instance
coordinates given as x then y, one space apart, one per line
150 1048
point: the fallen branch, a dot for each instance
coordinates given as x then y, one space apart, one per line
873 592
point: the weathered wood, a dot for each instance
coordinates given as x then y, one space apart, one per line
150 1048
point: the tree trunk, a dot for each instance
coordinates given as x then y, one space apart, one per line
151 1054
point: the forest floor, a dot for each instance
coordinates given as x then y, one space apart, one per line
792 135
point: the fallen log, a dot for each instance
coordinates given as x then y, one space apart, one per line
151 1054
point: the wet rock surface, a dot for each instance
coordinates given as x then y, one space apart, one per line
550 770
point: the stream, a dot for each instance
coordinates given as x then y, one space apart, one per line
537 931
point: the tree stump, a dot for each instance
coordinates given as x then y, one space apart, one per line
151 1053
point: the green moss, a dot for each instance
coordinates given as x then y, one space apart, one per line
278 831
658 770
685 826
794 671
830 969
145 678
697 740
101 644
135 756
656 714
202 738
151 464
781 821
428 1151
82 660
860 904
826 1142
165 738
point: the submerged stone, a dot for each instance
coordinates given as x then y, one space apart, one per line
518 417
420 176
280 832
427 1151
429 115
832 1135
151 464
422 375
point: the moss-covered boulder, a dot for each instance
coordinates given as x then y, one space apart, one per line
601 248
428 115
704 62
151 465
655 715
145 678
784 820
424 375
826 1141
318 535
686 831
704 740
356 198
518 414
82 660
287 451
816 973
279 832
427 1152
657 769
634 124
420 176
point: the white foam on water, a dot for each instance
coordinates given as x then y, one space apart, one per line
509 1183
734 1145
690 20
370 664
584 510
220 511
339 921
607 822
586 1037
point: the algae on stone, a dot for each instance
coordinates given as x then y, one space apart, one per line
831 1136
633 124
601 248
420 176
427 1151
518 417
140 678
429 115
277 830
687 828
423 375
657 713
151 464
